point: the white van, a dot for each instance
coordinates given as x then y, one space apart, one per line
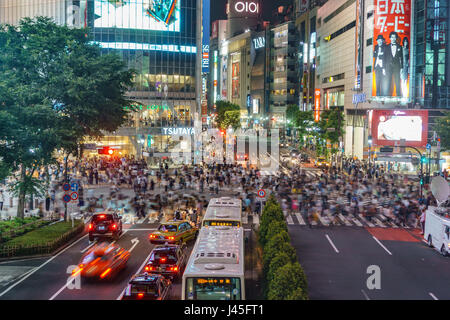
437 231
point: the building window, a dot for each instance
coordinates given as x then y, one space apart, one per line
333 78
369 42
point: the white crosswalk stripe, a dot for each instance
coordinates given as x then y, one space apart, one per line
300 219
324 220
289 219
366 221
378 222
359 220
344 219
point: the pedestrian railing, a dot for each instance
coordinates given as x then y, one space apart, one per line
39 248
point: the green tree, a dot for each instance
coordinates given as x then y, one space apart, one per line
271 213
279 260
304 124
288 283
222 107
276 227
292 112
55 88
233 119
443 130
275 245
331 126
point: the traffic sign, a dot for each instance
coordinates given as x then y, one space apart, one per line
74 196
66 198
74 187
66 187
261 193
428 146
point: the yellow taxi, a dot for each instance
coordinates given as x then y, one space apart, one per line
174 232
322 163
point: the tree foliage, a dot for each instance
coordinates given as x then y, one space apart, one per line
305 124
233 119
288 283
222 108
55 88
292 112
443 130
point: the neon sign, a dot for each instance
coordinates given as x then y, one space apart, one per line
251 7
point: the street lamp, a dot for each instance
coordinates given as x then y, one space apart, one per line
370 148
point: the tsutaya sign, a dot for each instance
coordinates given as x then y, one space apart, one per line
178 131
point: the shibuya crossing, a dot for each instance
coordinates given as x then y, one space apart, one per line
229 150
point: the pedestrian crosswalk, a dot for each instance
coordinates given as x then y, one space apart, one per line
348 220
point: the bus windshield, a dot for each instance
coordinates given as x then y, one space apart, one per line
209 288
221 223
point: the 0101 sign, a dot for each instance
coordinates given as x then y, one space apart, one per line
248 7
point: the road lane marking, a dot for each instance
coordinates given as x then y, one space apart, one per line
68 282
344 220
356 221
289 220
365 294
366 221
37 268
433 296
300 219
87 248
332 244
323 220
140 268
382 245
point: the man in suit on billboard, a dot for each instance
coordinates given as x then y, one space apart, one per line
394 65
380 65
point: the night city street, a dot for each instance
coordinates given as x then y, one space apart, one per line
224 154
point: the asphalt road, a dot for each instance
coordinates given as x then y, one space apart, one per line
336 262
47 279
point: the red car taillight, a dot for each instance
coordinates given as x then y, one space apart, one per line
170 238
114 226
152 236
91 226
149 268
174 269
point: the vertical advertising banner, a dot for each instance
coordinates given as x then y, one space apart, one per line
205 35
391 56
317 105
224 74
359 43
235 74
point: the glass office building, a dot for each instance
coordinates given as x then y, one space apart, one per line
157 39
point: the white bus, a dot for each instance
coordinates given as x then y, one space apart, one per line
215 270
223 211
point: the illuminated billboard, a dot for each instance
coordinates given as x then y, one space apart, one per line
157 15
389 127
391 56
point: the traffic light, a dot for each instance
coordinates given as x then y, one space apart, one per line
106 150
424 159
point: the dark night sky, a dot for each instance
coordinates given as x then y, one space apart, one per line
218 8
